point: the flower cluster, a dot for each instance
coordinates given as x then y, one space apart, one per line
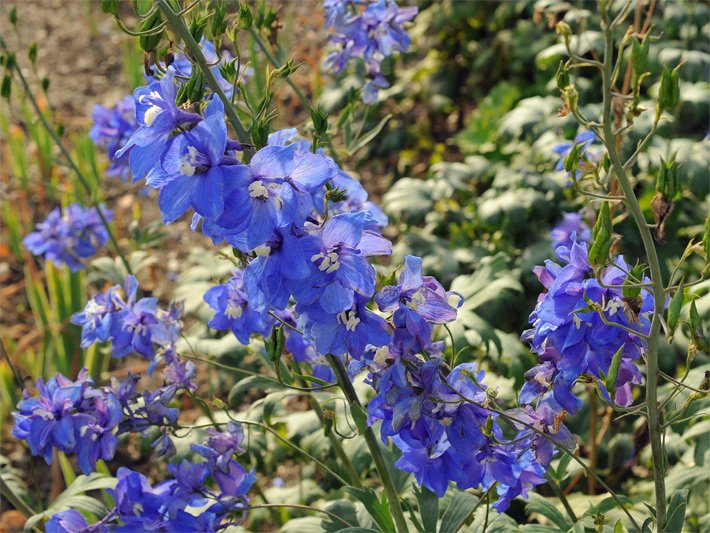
70 236
71 416
111 129
368 30
132 325
576 329
444 420
142 507
571 228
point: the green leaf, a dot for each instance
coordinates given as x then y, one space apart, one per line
674 308
250 383
378 509
74 497
460 508
345 510
541 505
676 511
428 508
369 136
360 417
610 381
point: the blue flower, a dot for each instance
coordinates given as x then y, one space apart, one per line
192 172
275 194
72 416
95 319
571 339
584 140
157 115
111 130
338 253
68 521
69 237
417 301
349 331
131 326
138 504
234 311
280 266
571 228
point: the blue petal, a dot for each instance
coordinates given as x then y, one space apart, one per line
207 196
174 198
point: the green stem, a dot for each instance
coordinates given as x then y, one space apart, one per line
179 27
632 204
67 156
275 63
373 445
337 446
561 495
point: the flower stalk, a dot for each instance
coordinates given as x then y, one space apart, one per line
632 204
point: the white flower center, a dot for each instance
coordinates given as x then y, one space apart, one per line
329 263
349 319
137 509
614 305
151 114
257 189
577 321
94 308
263 250
416 300
189 162
233 310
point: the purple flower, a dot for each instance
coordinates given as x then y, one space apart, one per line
571 228
157 115
570 337
349 331
138 504
111 129
234 311
72 416
131 326
370 34
69 237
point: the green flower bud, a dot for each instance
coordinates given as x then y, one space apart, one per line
6 87
244 17
562 76
320 120
151 42
110 6
669 91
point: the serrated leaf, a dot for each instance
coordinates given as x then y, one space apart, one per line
460 508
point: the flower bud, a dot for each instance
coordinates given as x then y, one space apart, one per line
320 120
150 42
110 6
639 55
669 90
563 29
6 87
244 17
562 76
